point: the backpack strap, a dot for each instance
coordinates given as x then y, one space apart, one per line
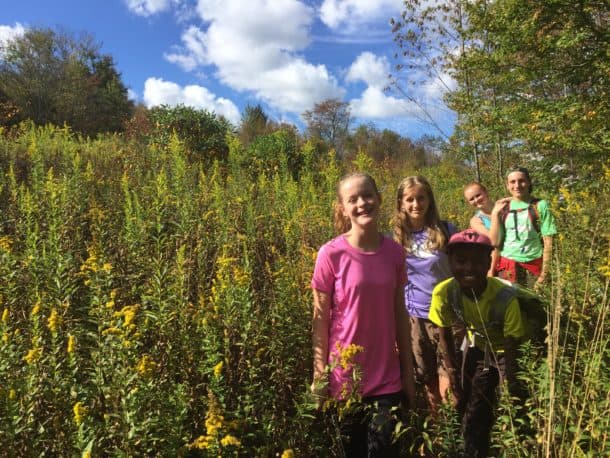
532 212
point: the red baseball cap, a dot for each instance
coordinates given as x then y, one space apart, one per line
470 237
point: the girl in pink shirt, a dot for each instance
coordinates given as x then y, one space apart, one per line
358 285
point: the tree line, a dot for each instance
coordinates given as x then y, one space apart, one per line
51 77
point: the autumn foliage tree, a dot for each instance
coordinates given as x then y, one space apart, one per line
329 121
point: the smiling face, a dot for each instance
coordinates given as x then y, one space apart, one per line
476 197
360 201
518 185
415 203
469 265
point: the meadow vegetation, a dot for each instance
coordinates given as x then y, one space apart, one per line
156 303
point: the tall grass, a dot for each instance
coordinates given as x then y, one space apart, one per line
155 306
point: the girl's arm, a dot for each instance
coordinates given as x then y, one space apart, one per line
403 339
495 257
547 251
477 225
320 329
496 231
447 350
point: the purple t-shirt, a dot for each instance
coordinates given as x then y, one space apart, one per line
362 286
425 269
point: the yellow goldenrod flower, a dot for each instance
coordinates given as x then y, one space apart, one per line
36 309
86 454
32 356
202 442
110 304
347 354
12 394
5 315
80 412
112 331
230 440
289 453
107 267
5 337
213 421
146 367
128 313
218 369
54 321
71 344
5 243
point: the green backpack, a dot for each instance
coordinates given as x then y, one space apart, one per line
534 311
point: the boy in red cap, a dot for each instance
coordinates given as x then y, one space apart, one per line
489 349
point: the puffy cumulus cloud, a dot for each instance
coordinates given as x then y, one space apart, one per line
300 86
8 33
349 13
148 7
160 92
254 47
374 104
371 69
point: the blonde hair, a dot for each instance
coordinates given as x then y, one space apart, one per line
401 224
473 184
341 222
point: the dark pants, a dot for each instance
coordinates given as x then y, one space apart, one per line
367 430
478 402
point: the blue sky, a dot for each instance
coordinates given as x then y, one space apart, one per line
224 54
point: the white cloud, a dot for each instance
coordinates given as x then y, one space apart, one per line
349 13
371 69
148 7
8 33
255 47
160 92
374 104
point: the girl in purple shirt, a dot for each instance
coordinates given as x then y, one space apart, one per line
419 229
359 312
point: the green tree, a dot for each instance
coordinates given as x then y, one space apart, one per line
532 77
254 122
202 132
51 77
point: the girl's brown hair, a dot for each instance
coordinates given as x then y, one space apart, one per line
525 172
401 225
341 222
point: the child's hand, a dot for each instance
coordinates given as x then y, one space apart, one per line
455 390
500 205
539 282
319 392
